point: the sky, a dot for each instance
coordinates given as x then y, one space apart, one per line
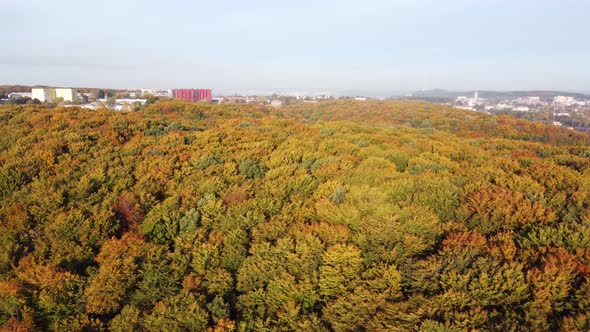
371 47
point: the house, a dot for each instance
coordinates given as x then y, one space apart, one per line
521 109
564 100
276 103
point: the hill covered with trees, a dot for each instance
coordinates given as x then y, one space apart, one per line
334 216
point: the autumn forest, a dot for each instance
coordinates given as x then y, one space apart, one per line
334 216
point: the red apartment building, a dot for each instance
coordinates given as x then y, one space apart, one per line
204 94
193 95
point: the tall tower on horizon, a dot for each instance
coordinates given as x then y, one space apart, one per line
476 97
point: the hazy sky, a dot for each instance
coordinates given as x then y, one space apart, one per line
373 46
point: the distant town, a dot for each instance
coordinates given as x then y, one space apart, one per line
571 110
568 110
566 104
116 100
122 100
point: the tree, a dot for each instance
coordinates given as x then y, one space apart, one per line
119 263
111 100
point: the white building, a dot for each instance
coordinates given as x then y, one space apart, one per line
15 95
564 100
43 94
123 104
276 103
50 94
471 102
67 94
528 100
521 109
466 108
156 93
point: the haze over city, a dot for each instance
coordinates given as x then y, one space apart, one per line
371 48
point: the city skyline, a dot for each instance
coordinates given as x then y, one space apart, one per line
379 48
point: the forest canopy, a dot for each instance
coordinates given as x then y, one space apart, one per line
334 216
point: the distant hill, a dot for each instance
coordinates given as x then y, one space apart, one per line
5 90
